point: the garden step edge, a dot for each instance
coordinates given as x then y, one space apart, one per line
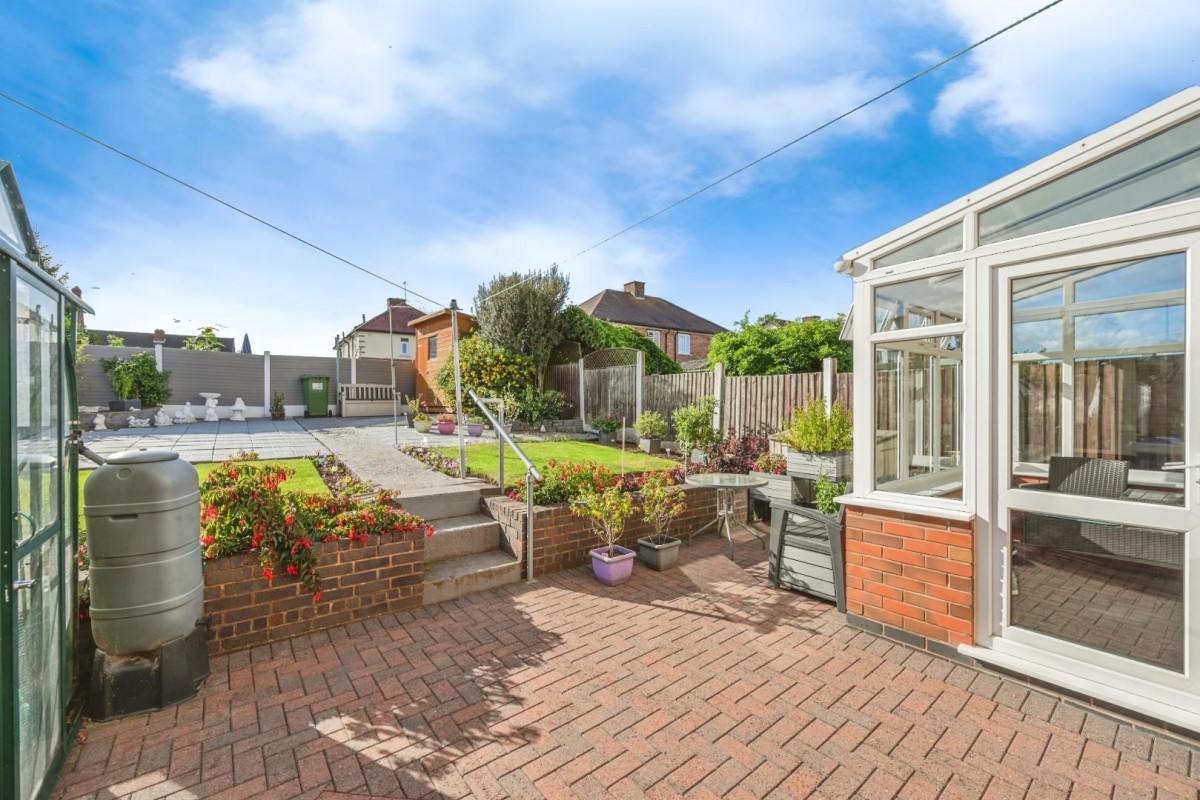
454 537
456 577
437 504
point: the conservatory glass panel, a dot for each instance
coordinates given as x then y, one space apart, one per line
8 221
919 303
1159 170
946 240
37 409
1099 394
918 417
1116 588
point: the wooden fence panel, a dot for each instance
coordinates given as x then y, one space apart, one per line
764 402
666 393
565 378
611 389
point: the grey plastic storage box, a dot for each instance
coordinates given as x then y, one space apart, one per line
146 576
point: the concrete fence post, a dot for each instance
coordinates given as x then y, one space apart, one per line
582 411
267 383
639 384
354 369
719 395
158 356
829 382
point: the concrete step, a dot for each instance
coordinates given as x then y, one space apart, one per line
435 504
454 537
455 577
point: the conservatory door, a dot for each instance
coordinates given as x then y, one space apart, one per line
1098 459
36 599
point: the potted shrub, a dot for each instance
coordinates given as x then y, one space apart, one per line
417 416
446 424
651 429
608 509
819 442
475 425
662 504
277 412
606 425
137 376
694 428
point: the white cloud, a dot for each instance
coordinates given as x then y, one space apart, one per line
1065 71
357 67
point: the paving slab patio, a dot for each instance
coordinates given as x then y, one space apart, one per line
697 682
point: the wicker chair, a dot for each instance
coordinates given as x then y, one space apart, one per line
1098 477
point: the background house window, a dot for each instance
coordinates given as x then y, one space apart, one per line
404 347
684 344
655 336
433 347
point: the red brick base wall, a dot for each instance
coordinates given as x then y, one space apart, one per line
562 541
912 572
358 581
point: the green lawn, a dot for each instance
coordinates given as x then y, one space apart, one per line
306 479
484 459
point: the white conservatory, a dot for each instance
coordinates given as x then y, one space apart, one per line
1027 448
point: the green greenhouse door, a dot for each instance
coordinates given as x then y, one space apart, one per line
38 544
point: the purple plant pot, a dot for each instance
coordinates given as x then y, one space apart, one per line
611 571
475 428
445 428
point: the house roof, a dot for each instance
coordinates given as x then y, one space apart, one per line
402 316
143 339
464 319
616 305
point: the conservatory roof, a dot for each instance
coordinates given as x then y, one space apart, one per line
1144 161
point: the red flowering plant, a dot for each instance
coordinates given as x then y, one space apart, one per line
564 482
242 509
771 464
737 454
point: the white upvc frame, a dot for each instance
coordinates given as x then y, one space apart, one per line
1079 667
864 391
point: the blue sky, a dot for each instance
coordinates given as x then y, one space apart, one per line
442 143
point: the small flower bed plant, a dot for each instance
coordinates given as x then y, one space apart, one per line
432 459
243 510
771 464
736 454
568 482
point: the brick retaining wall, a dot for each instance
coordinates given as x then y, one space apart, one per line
358 581
562 541
914 573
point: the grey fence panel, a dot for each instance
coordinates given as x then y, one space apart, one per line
376 370
234 375
611 389
94 388
286 372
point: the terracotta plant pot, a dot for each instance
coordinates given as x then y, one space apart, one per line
612 570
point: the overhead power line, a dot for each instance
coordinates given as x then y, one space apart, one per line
210 196
897 87
821 127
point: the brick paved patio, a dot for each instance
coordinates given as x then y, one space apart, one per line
699 682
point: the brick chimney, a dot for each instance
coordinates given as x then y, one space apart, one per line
160 336
636 288
397 301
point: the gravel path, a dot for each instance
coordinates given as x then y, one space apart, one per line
367 447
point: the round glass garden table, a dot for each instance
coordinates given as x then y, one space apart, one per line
726 483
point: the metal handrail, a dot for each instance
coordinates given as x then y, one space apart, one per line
505 436
532 475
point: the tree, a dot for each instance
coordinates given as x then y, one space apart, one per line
46 260
206 340
764 348
523 313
